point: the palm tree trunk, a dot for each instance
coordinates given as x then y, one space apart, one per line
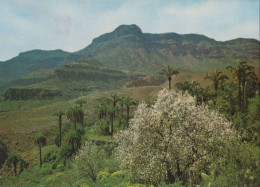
216 87
15 169
112 123
60 134
170 87
243 96
239 93
122 109
40 156
127 114
60 124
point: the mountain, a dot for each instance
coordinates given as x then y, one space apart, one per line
30 61
130 50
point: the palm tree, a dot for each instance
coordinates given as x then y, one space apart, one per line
216 77
121 102
80 102
111 111
115 99
75 114
247 78
40 141
183 86
59 114
169 72
13 159
239 72
128 102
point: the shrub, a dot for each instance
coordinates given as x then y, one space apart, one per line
89 161
172 140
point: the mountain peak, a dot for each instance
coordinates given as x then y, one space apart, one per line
120 31
127 29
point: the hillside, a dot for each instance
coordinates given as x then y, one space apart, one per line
128 49
30 61
67 81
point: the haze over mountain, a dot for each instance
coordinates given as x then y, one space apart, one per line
128 49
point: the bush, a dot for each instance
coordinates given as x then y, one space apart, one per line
172 140
89 161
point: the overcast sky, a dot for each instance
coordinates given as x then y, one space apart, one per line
72 24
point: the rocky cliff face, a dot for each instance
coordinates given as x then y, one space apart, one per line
146 81
30 93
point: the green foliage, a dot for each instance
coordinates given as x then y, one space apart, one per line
17 162
101 127
75 114
74 140
236 164
93 158
40 140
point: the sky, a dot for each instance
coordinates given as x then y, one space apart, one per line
71 25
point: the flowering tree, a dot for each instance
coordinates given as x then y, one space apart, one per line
172 140
89 161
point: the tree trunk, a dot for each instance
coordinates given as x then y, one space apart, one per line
239 93
170 86
170 176
15 169
75 123
60 124
216 87
73 147
245 99
127 114
122 109
112 123
243 96
82 121
40 156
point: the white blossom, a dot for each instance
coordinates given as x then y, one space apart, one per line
174 136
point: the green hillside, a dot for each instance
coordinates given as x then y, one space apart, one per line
68 81
30 61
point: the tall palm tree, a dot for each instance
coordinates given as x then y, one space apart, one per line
169 72
40 141
111 110
13 159
216 77
183 86
239 71
115 98
75 114
121 102
81 102
128 102
247 78
59 114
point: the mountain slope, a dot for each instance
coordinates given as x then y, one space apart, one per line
128 49
30 61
